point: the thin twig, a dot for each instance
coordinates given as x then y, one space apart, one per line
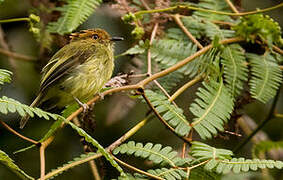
260 126
18 134
42 157
184 87
145 4
136 169
190 36
148 52
17 56
234 9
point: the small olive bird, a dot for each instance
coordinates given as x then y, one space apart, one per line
77 71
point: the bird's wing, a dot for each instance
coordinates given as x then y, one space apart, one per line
62 63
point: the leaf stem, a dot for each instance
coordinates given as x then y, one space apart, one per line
136 169
14 20
184 87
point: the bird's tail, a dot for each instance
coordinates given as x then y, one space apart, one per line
35 103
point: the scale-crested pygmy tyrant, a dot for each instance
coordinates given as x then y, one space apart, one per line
77 71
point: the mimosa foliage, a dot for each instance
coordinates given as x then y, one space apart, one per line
73 14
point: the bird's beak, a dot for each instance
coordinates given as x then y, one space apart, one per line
117 39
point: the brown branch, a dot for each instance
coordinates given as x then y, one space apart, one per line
18 134
42 156
17 55
190 36
136 169
234 9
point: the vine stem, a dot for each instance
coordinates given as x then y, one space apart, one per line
14 20
181 25
139 13
136 169
18 134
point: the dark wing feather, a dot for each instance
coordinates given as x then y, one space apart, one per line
64 61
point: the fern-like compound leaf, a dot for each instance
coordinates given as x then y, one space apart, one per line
153 152
169 174
217 5
203 152
11 105
9 163
91 140
74 13
212 108
238 165
235 70
171 114
169 51
266 76
5 76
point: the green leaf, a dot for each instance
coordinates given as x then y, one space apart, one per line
169 174
212 108
203 152
9 163
5 76
266 76
217 5
137 49
89 139
238 165
153 152
74 13
171 114
11 105
235 70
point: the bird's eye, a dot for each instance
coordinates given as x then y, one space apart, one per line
95 36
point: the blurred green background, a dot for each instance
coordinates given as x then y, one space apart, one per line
67 143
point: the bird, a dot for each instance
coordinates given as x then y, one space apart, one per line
77 71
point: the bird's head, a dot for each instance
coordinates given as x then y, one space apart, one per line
94 35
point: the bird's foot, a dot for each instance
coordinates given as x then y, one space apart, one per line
83 105
117 81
